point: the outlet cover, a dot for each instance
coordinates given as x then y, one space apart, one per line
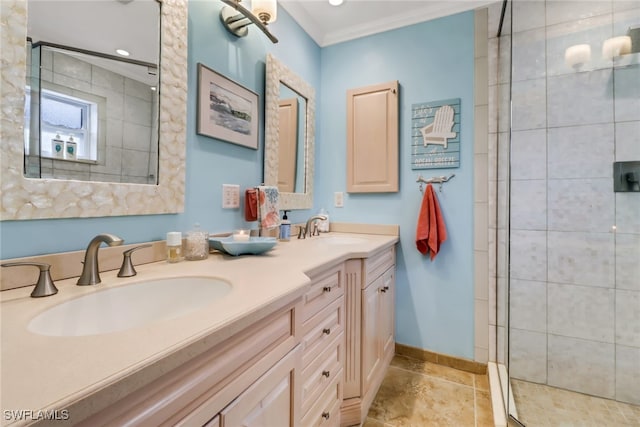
338 199
230 196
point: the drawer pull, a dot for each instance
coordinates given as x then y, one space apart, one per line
326 289
384 289
326 415
326 331
326 373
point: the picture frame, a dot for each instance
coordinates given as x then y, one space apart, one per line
227 110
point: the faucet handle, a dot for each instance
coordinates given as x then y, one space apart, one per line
44 286
127 269
302 232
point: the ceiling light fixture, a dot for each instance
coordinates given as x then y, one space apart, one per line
122 52
236 18
336 2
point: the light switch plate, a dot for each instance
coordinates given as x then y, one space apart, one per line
338 199
230 196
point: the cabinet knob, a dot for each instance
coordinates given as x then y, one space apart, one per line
326 289
326 331
326 373
384 289
326 415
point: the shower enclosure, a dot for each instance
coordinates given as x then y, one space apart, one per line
565 96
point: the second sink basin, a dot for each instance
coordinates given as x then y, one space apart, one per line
342 240
130 306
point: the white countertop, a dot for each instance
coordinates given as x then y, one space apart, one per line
84 373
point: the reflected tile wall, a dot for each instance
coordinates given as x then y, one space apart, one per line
581 258
568 157
581 365
574 277
581 312
129 104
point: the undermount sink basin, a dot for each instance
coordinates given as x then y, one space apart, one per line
342 240
130 306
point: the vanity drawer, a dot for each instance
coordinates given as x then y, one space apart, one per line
319 331
321 372
325 412
377 264
324 289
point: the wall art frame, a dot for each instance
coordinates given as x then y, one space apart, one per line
227 110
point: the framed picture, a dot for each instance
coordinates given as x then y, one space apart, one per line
226 110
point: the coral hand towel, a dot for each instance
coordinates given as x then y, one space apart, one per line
431 231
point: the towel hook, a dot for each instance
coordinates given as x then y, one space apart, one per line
434 180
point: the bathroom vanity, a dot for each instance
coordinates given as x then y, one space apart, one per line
303 338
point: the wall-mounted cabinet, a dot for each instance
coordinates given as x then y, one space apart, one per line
372 138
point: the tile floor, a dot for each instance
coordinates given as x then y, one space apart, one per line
423 394
545 406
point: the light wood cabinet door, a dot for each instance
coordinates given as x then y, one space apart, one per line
271 401
372 139
371 348
387 313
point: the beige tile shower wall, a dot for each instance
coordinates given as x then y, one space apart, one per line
481 194
498 191
574 288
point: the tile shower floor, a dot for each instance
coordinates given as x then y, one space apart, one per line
545 406
424 394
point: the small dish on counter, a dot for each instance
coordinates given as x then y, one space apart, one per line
253 246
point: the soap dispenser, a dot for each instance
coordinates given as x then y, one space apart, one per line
57 147
285 228
71 149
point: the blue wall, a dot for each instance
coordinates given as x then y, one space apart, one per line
432 60
210 162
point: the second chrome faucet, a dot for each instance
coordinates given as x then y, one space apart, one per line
90 271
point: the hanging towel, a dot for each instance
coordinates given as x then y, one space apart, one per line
268 211
431 230
251 204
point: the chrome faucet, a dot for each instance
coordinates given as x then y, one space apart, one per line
91 272
302 233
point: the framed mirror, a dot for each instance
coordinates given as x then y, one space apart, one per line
289 136
36 198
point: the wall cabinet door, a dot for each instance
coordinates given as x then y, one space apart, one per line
271 401
372 139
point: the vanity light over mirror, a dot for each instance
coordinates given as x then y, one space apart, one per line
70 196
289 140
91 107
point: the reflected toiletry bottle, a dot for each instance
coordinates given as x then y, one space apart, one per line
174 246
196 244
323 225
57 147
71 149
285 228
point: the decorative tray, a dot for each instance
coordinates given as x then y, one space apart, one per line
254 246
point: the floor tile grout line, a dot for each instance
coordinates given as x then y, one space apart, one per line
433 376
